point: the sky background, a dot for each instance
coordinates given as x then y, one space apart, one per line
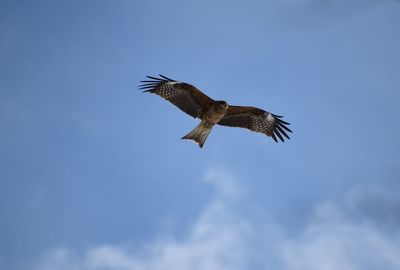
94 176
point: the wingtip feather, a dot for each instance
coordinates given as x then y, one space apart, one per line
279 135
284 127
154 78
165 77
282 131
273 137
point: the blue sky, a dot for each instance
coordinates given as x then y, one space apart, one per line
94 174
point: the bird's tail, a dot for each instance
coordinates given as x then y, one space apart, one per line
199 134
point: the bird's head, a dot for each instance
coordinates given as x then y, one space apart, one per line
223 103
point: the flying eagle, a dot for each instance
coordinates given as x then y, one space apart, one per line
198 105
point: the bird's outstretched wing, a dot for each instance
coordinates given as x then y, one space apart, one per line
183 95
256 120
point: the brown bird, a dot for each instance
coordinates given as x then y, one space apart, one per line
195 103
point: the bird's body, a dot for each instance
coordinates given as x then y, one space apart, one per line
209 118
195 103
215 112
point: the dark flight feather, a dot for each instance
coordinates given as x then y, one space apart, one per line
256 120
183 95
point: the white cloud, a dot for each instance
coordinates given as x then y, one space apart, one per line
224 236
333 241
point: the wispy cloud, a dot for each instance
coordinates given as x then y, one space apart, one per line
225 236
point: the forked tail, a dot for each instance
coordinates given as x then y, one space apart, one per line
199 134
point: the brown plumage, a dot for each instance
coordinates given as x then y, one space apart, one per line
195 103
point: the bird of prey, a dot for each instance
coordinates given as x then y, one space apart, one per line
198 105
